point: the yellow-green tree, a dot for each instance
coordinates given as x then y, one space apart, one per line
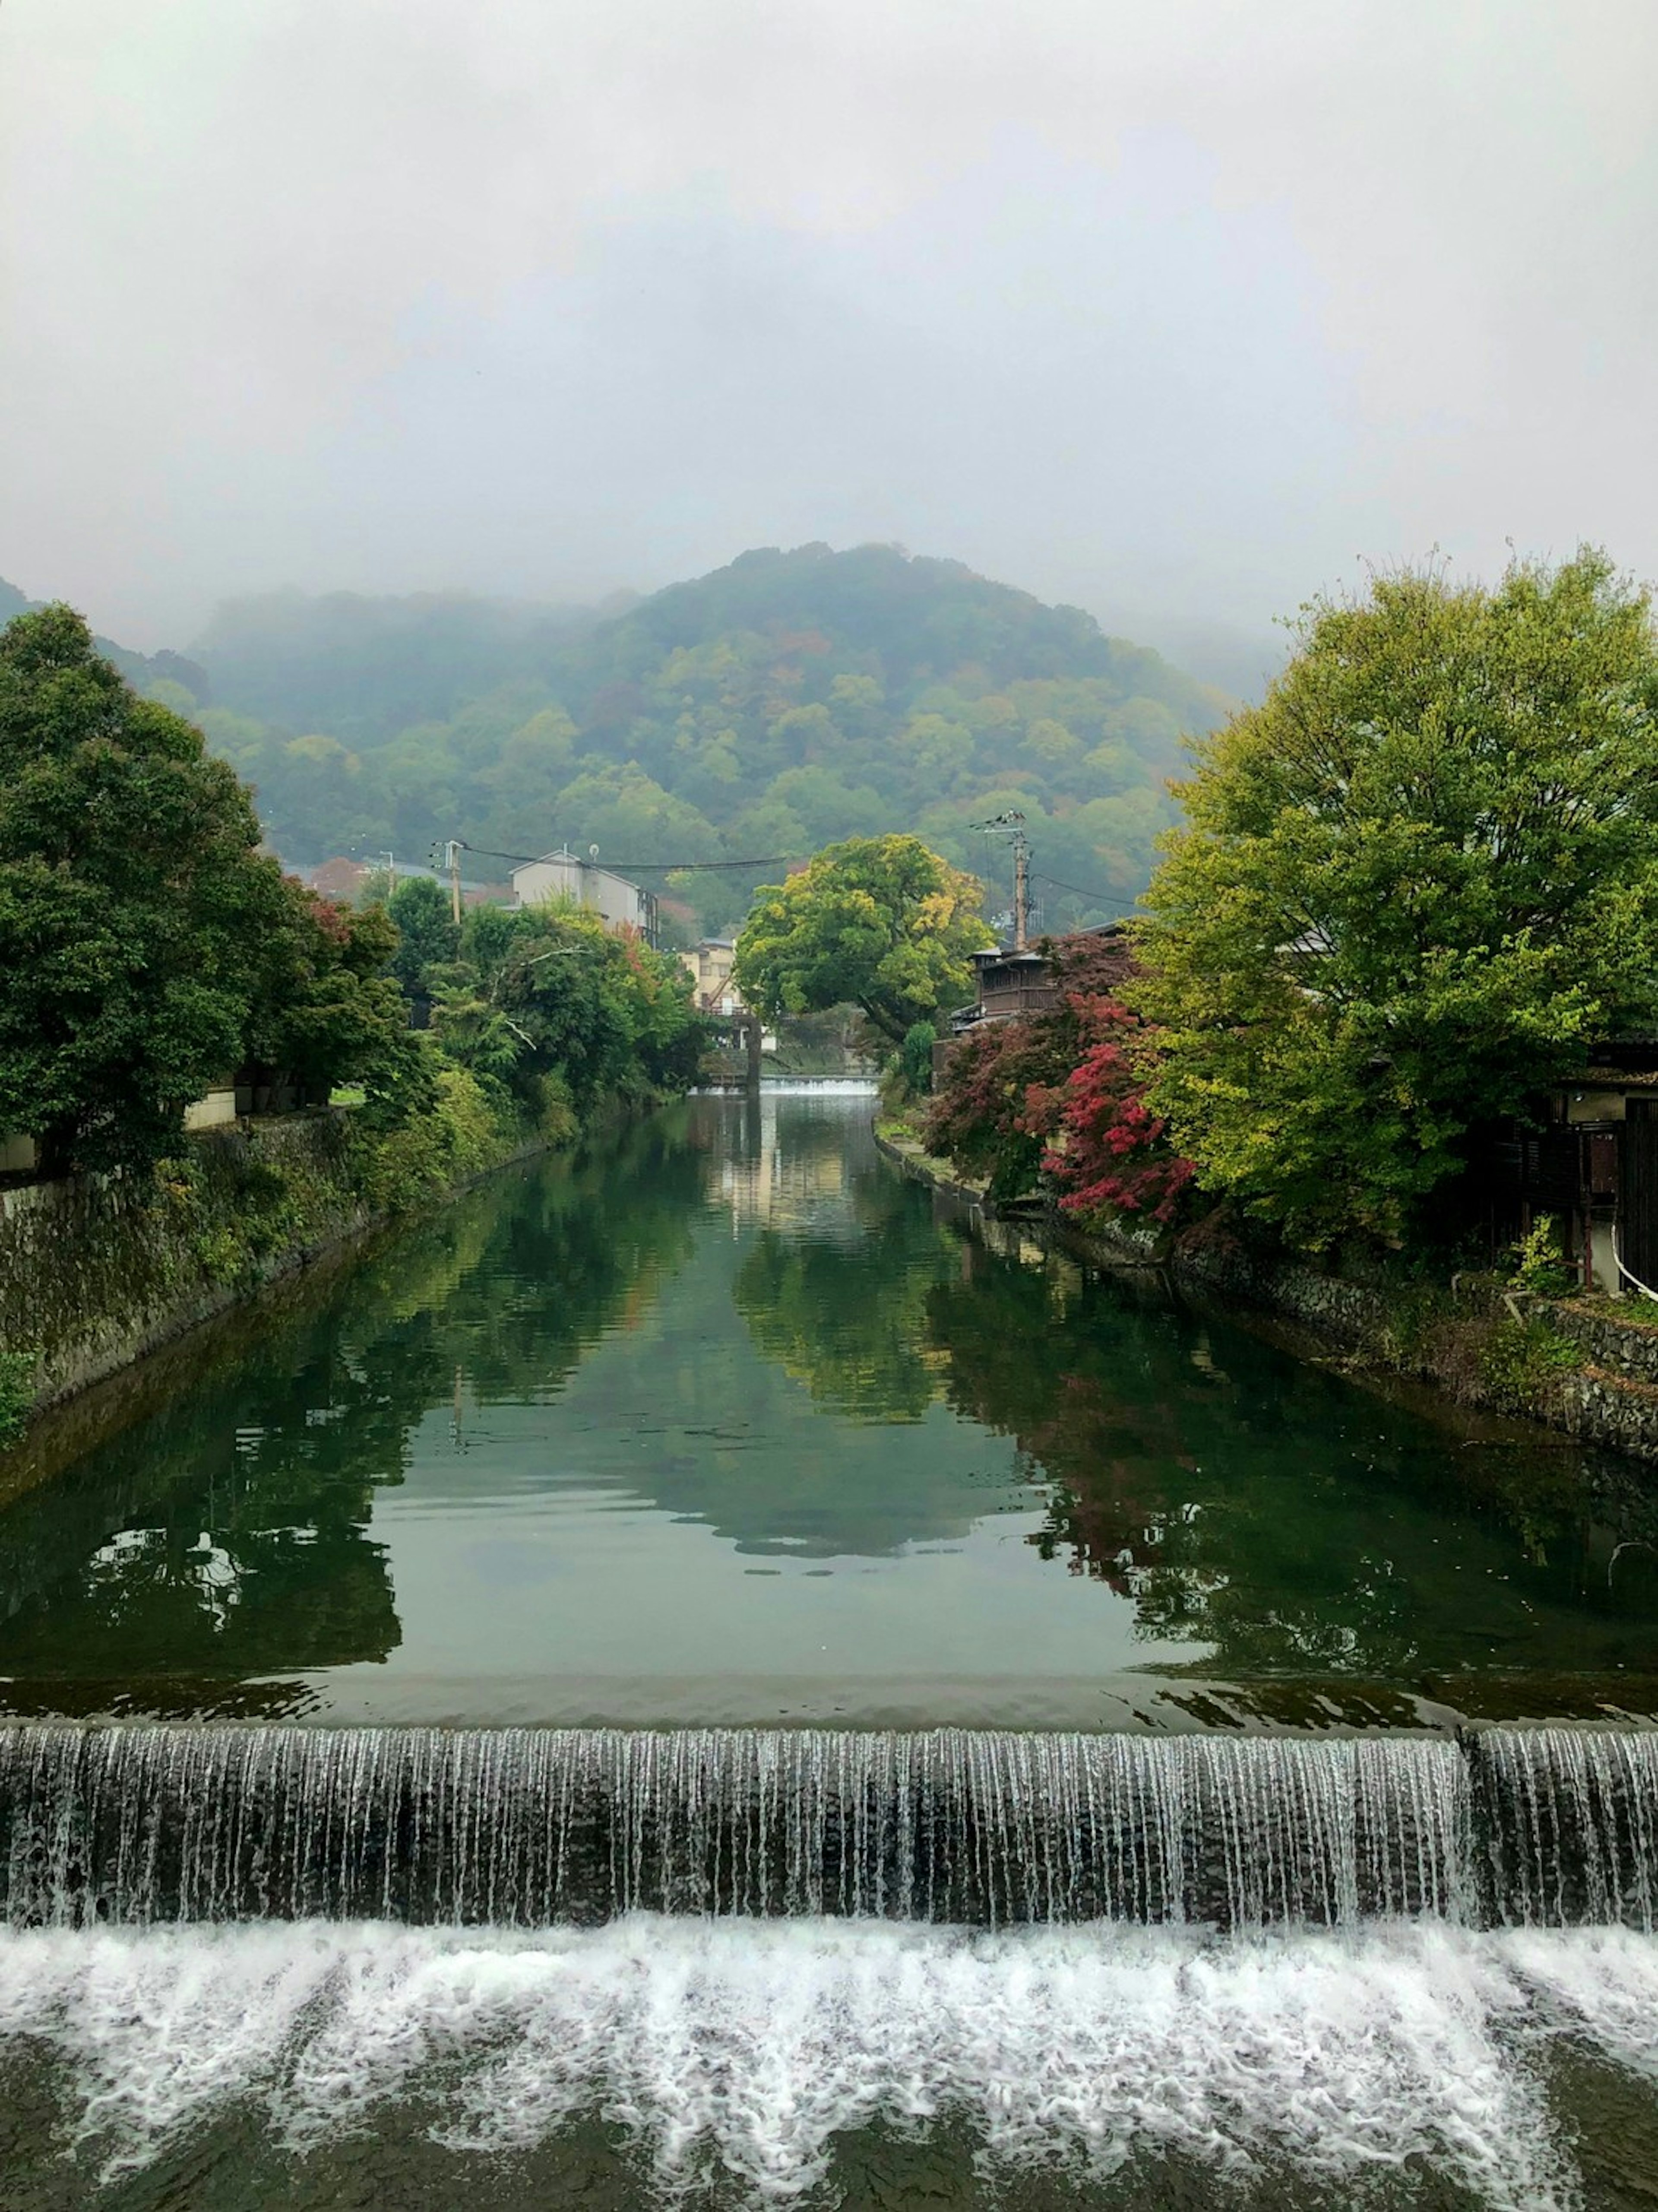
1413 885
880 923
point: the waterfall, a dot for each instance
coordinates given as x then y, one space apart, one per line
1571 1820
529 1828
1324 1951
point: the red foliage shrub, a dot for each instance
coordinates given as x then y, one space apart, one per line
1060 1095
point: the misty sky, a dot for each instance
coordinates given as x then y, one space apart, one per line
1173 310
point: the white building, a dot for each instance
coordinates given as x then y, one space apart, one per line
621 905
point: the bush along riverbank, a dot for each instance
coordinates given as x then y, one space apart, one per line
553 1027
1367 1059
147 948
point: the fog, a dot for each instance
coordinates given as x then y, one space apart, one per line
1179 312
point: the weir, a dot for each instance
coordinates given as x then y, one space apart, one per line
532 1828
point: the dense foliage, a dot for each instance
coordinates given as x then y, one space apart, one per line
1059 1098
1413 887
148 951
146 948
546 1011
326 1010
786 702
879 923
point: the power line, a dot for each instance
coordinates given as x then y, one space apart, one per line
1102 898
761 860
675 868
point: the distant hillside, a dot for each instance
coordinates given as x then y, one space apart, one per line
144 671
362 669
790 698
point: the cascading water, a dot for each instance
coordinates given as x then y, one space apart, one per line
1338 1957
532 1828
1570 1816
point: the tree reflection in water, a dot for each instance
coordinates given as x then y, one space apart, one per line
802 1360
228 1535
849 1317
1266 1508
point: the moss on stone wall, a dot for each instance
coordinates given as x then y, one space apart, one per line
97 1271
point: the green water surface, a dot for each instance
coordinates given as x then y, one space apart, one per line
724 1420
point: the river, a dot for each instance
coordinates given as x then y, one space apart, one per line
697 1673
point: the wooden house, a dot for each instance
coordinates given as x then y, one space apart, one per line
1591 1161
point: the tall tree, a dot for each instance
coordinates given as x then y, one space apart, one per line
146 947
325 1010
1412 886
130 903
427 933
880 923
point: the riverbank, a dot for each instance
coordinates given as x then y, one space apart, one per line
1578 1366
98 1271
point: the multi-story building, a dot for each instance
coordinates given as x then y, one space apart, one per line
710 963
621 905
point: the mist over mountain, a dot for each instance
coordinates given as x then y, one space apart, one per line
754 713
749 715
144 671
363 667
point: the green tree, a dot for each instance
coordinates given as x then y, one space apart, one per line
131 904
880 923
428 935
325 1009
548 994
1412 887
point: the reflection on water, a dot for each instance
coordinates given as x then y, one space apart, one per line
725 1399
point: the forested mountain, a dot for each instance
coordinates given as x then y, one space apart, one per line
145 671
362 669
788 700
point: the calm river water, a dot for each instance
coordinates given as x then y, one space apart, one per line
722 1421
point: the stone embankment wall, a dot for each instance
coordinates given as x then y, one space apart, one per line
1587 1366
96 1271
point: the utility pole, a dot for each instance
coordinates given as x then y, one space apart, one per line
1011 825
391 860
451 861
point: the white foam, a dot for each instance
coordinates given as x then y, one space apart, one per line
797 1086
1597 1985
749 2044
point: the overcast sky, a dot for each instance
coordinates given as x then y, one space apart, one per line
1175 310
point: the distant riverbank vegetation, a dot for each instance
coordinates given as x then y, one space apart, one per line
149 951
790 701
1410 892
878 923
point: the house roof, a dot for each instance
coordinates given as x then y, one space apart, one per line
1614 1079
996 955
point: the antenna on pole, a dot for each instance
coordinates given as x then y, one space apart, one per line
1011 825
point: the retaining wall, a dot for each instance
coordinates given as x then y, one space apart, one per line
1587 1367
96 1271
